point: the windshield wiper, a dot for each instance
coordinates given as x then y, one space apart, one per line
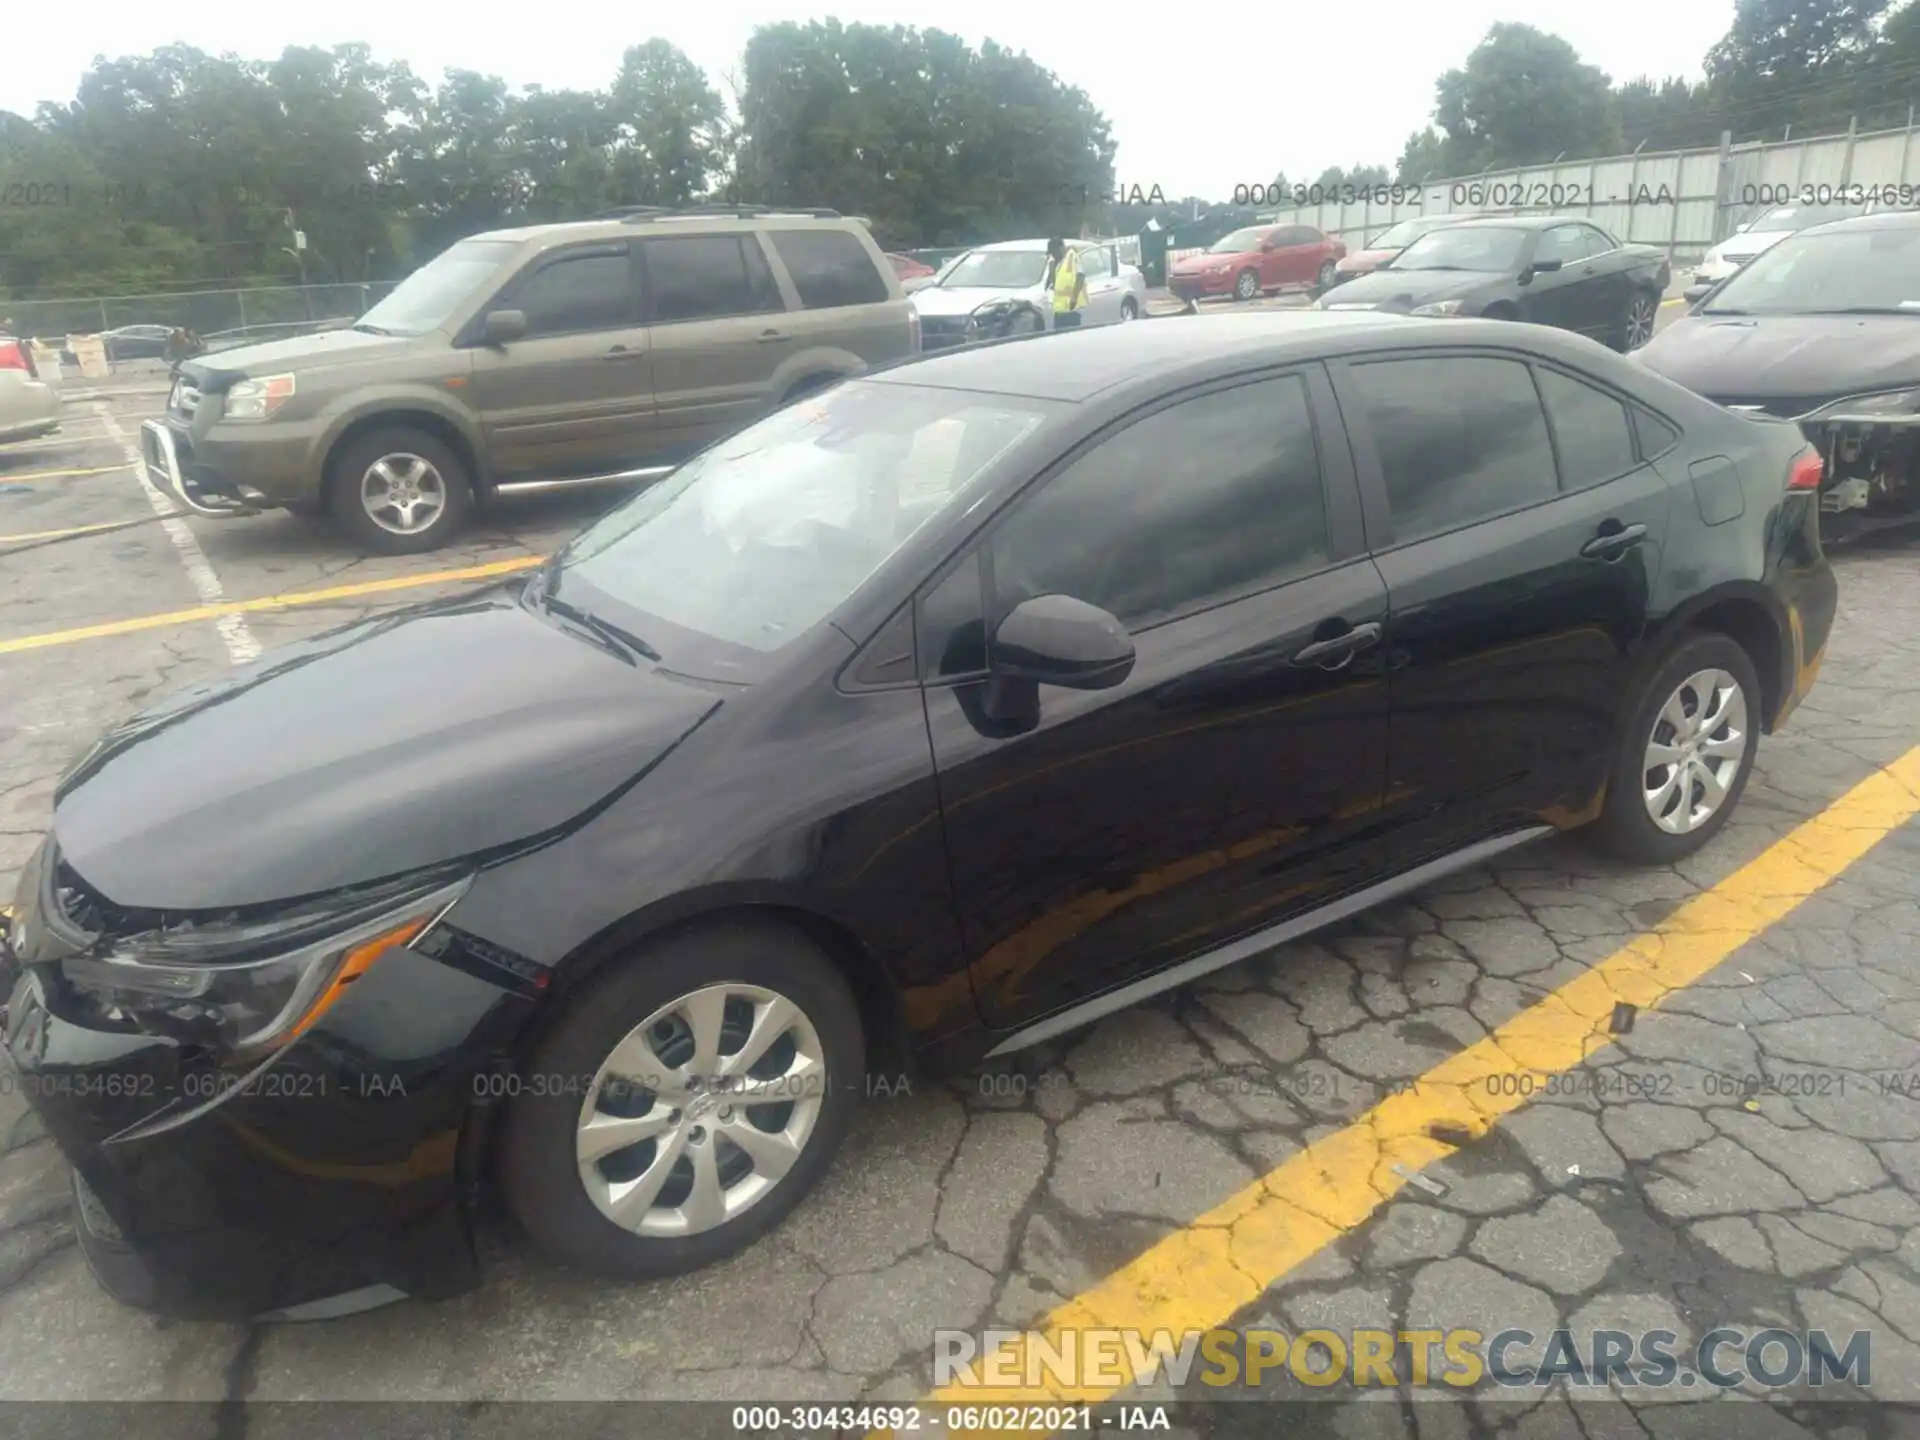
1868 310
629 647
366 329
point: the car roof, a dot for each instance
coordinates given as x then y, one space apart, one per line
1023 245
615 228
1079 364
1521 222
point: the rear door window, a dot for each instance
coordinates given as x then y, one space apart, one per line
707 277
1461 438
1592 433
830 268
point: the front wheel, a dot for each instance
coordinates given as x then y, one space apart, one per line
400 491
1246 285
1635 325
1129 309
1688 749
684 1102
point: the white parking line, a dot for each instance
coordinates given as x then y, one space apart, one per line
240 641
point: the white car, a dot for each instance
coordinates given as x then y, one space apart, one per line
29 407
994 291
1764 231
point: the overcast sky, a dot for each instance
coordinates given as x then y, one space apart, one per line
1200 100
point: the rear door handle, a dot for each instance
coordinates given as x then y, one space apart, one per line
1612 544
769 337
1335 652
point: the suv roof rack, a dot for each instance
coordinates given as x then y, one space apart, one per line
633 214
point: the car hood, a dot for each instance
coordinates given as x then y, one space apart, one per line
1363 262
382 748
941 300
1787 355
301 352
1404 289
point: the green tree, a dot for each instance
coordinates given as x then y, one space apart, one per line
1522 98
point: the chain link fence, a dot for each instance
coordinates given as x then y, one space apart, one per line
205 312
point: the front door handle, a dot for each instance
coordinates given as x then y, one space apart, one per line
1336 651
769 337
1612 544
621 352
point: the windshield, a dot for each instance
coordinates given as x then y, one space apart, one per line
757 539
1240 242
1801 217
1863 269
997 270
1403 234
427 298
1491 250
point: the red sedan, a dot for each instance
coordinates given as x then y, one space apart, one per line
1258 260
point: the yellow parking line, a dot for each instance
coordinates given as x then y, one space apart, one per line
75 530
1201 1276
1674 300
30 476
489 571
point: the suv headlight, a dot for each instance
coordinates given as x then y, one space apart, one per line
1883 407
257 399
247 989
1439 307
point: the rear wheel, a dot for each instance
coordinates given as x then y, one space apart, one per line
1634 328
1323 282
1684 759
684 1102
400 491
1246 285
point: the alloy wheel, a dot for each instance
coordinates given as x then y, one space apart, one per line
1640 316
1247 286
403 494
1699 742
698 1113
1327 273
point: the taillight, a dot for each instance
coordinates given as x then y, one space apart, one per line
1807 472
13 356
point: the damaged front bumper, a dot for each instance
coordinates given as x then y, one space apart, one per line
167 458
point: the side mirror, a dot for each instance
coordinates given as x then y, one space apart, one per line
1269 244
1743 227
1057 640
504 326
1547 267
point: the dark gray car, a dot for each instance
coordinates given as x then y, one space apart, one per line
532 359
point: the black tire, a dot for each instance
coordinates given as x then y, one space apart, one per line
1246 286
1129 309
1626 827
537 1166
350 465
1323 282
1633 327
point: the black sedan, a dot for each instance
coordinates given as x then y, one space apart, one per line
925 720
1550 270
1822 328
136 342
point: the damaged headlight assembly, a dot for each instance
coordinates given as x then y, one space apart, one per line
1882 407
248 987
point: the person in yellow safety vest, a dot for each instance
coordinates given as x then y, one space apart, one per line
1069 286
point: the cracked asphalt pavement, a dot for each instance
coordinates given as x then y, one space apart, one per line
1746 1155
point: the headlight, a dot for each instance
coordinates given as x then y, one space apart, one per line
1895 407
257 399
248 989
1439 307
